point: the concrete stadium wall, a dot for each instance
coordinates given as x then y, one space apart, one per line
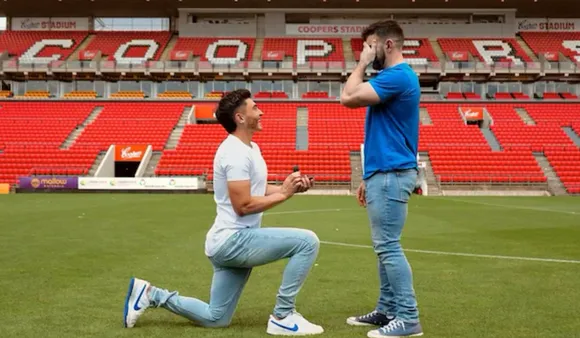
273 24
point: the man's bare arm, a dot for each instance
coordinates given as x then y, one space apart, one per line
244 203
357 93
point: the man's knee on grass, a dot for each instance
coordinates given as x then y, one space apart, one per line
219 318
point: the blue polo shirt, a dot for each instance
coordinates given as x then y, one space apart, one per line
392 126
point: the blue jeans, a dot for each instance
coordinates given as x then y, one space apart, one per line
232 265
387 195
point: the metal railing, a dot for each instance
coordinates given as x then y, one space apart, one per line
181 170
58 170
283 67
492 179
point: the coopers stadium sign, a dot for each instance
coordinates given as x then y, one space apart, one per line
50 24
324 30
548 25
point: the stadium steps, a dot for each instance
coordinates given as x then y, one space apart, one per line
491 139
347 50
302 128
555 186
527 48
258 47
82 46
355 170
437 49
174 137
152 164
183 118
177 131
70 140
572 134
425 117
97 163
432 182
523 113
169 47
487 119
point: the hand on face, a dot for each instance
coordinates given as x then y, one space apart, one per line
368 53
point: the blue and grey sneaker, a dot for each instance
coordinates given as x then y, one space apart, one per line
397 328
374 318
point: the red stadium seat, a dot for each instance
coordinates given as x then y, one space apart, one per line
488 50
41 46
416 51
307 50
130 46
218 51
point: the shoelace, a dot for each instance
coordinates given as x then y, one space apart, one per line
393 325
369 315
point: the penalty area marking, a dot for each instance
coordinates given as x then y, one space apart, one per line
463 254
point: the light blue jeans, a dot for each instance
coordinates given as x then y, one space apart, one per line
232 266
387 195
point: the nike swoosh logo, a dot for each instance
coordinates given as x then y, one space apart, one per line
136 306
294 328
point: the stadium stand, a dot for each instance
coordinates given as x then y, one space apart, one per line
31 134
463 96
417 51
459 153
333 125
217 50
35 94
43 46
134 45
552 43
194 152
175 95
271 95
131 123
303 51
81 94
488 50
128 94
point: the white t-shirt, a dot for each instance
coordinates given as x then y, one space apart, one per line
234 161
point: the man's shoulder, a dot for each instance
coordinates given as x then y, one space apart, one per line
254 145
401 74
230 150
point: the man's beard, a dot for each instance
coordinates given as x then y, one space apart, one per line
378 62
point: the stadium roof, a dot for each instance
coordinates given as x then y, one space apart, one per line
160 8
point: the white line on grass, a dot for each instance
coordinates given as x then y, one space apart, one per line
433 252
514 206
462 254
304 211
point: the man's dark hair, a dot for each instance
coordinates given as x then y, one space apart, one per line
227 107
386 29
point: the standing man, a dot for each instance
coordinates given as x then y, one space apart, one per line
236 243
390 171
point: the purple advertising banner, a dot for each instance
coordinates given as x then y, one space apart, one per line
48 182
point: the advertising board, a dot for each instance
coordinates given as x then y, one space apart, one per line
138 183
48 182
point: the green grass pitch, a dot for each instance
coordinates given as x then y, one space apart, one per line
66 260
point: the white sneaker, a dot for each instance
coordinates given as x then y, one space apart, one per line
293 325
136 302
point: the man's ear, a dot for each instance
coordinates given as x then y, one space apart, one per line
238 116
